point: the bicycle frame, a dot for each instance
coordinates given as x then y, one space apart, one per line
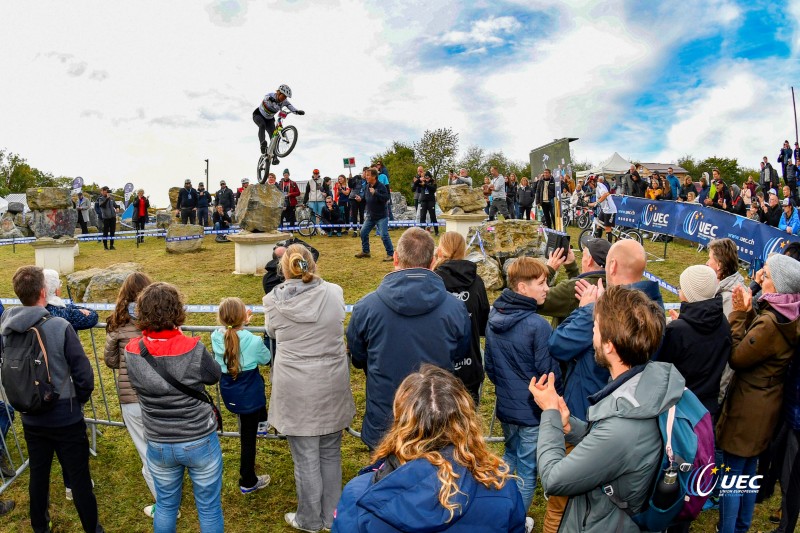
275 134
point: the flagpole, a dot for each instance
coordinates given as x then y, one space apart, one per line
794 105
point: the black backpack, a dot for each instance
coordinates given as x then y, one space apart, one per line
25 371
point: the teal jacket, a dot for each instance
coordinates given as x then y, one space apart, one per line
619 444
252 350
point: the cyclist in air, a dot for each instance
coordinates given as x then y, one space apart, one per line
264 115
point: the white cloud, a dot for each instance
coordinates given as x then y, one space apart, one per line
493 31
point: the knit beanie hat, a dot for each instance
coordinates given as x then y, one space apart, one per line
785 273
699 282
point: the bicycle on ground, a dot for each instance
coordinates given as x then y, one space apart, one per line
280 145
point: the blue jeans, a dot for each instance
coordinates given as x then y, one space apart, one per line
316 206
736 510
6 419
520 455
383 231
167 462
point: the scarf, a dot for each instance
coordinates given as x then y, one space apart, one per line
786 304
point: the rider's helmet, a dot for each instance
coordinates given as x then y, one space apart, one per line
285 90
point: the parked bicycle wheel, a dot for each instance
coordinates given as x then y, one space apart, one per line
584 220
588 233
631 234
306 228
262 171
286 141
565 220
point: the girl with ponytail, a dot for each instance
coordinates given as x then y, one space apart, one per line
239 354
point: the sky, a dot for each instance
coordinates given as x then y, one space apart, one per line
145 91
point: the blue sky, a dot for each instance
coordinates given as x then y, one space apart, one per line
145 91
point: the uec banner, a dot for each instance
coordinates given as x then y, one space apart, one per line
700 224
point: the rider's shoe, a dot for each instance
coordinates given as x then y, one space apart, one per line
275 160
264 147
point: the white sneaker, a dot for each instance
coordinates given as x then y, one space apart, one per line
150 511
528 524
262 481
263 428
290 519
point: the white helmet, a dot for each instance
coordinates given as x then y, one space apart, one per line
285 90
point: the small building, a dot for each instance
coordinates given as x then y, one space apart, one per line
648 169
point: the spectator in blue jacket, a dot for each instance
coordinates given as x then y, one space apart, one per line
376 198
516 351
440 468
409 320
78 317
789 222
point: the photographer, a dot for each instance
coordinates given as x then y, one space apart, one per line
222 222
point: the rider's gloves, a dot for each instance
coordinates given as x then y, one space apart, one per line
301 112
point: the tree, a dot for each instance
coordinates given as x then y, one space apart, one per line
16 174
474 161
437 150
400 162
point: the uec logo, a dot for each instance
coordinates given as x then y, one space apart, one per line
775 244
694 224
703 481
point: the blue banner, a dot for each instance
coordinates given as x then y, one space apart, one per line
700 224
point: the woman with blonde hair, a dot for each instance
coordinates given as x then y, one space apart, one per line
311 401
239 354
461 279
433 471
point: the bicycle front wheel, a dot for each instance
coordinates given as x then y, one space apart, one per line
565 221
287 138
262 170
631 234
306 228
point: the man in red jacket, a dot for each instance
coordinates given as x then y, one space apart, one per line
290 193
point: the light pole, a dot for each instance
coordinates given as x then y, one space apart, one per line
209 184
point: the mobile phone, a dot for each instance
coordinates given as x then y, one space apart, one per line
554 241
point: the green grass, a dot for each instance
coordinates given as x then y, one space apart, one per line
205 277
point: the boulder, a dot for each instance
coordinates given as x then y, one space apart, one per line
173 197
93 219
100 284
164 219
509 238
259 208
7 223
16 207
45 198
25 231
488 270
187 238
92 229
52 222
78 281
12 234
399 205
455 211
463 196
20 219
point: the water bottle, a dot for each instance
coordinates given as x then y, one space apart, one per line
668 489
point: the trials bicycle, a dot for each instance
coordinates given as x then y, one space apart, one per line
280 145
596 230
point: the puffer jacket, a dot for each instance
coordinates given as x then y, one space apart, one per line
375 503
763 347
792 222
792 395
114 355
619 445
525 196
516 351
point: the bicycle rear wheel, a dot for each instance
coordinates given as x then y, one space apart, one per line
565 220
262 170
585 235
287 138
306 228
584 220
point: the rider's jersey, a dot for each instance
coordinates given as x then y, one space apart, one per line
270 106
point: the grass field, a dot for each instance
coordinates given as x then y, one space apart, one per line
205 277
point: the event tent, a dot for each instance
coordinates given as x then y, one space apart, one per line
3 205
616 164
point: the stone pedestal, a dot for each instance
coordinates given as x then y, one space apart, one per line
462 223
252 251
76 251
57 254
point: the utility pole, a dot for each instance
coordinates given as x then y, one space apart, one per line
209 184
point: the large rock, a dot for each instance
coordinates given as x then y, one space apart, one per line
164 219
84 288
43 198
78 281
187 238
173 197
508 238
14 233
259 208
463 196
7 222
399 206
488 270
16 207
52 222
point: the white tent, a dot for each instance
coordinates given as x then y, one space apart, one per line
616 164
3 205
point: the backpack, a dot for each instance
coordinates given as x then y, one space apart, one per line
688 437
25 371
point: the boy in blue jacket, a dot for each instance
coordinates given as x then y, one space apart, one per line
516 350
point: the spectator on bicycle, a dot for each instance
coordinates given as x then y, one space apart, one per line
224 197
330 216
608 209
222 222
315 195
290 192
427 200
264 115
525 194
341 197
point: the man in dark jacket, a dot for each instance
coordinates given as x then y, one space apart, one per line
698 341
224 197
718 196
426 187
62 429
376 198
356 204
187 203
411 304
771 213
546 196
203 202
638 187
108 214
222 222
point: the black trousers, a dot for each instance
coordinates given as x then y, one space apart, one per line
188 214
548 213
82 223
357 211
525 212
139 226
288 216
247 462
790 505
266 126
426 207
71 445
109 228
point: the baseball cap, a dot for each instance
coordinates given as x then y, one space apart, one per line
246 180
786 202
773 191
187 181
316 171
598 249
222 182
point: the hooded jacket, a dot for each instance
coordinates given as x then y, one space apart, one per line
698 343
763 347
516 351
462 281
311 393
410 319
571 343
619 445
70 369
551 190
376 202
792 221
407 500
